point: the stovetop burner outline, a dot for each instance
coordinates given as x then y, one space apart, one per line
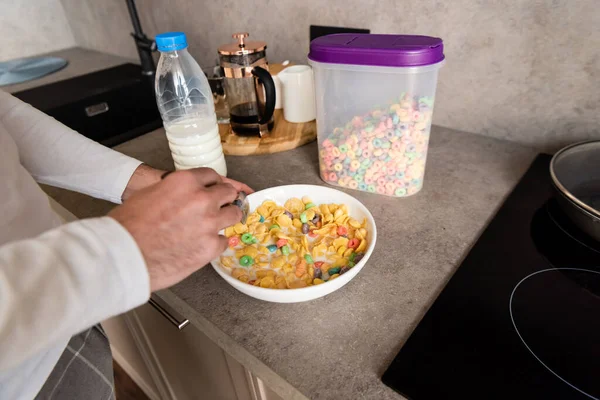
521 337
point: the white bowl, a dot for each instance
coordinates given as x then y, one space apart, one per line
319 195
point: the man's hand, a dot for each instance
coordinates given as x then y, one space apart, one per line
176 223
145 176
239 186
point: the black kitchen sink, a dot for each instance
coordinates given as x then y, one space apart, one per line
109 106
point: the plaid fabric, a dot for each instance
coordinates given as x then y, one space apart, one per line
83 371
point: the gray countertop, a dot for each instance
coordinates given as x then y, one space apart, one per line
337 347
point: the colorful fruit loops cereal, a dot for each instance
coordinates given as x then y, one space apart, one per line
382 152
295 245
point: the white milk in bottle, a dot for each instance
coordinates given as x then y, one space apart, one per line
186 105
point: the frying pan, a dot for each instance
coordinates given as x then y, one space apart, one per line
575 172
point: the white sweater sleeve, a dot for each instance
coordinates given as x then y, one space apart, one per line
64 281
58 156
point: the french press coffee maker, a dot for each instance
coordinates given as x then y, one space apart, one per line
246 74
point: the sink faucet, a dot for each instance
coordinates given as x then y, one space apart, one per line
145 45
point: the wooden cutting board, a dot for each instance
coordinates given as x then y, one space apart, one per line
284 135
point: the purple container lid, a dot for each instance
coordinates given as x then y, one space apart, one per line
380 50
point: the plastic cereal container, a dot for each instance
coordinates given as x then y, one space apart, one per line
374 96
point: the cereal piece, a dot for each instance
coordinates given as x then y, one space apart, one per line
280 282
305 243
290 277
342 250
246 261
293 246
305 229
344 270
297 284
348 252
353 243
306 200
272 248
294 205
233 241
288 268
240 253
227 261
240 228
362 247
252 218
332 277
318 281
243 278
284 221
281 242
340 242
301 268
285 250
317 273
270 204
341 220
303 218
281 235
278 262
261 274
342 230
354 223
248 238
309 259
297 223
261 258
251 251
277 212
229 232
293 259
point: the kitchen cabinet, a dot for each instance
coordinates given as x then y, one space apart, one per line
186 364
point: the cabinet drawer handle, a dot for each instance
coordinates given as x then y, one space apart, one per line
179 324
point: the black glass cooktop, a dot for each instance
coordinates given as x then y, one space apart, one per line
520 318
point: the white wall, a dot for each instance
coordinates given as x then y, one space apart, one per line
520 70
30 27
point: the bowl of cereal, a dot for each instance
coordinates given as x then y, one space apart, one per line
299 243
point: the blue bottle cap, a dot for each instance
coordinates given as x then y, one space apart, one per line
171 41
